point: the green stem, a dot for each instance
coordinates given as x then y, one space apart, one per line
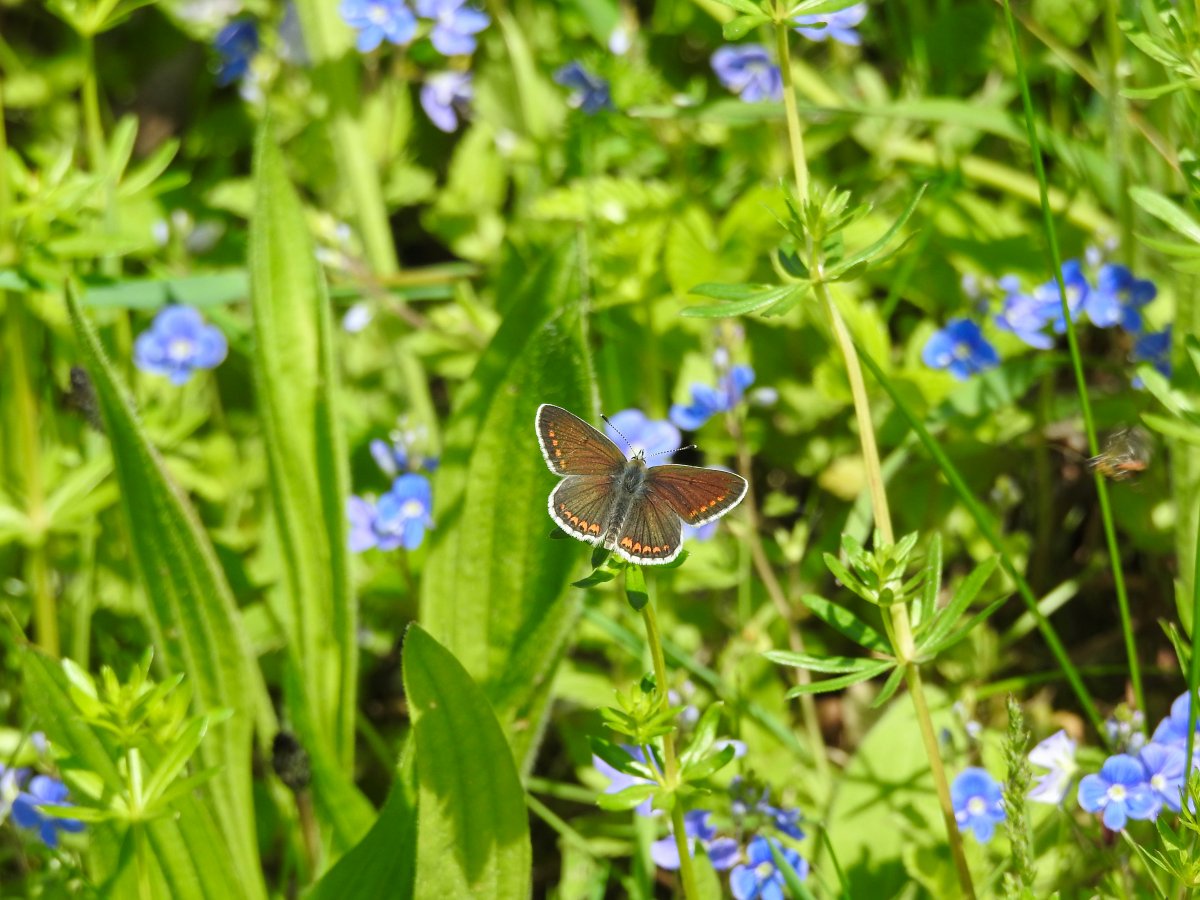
1117 126
93 130
1194 663
795 134
1089 424
874 469
670 763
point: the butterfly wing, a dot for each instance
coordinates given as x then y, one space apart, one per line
651 534
573 447
697 495
581 505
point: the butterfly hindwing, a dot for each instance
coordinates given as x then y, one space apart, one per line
651 534
573 447
696 495
581 505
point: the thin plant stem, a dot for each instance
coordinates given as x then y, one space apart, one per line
874 469
687 874
1193 677
795 134
1089 424
1118 132
758 557
93 130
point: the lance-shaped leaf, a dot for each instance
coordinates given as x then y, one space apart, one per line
743 298
829 664
867 670
846 622
190 607
939 626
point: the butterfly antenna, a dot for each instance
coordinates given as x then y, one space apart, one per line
608 422
677 450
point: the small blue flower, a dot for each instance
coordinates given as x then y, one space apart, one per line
619 781
454 25
978 803
747 70
1118 297
709 401
699 532
961 348
759 878
444 96
357 318
785 820
1078 290
10 788
1154 347
1173 729
44 790
1121 790
1025 315
1164 764
379 20
398 519
236 44
721 852
177 343
589 92
1056 753
836 25
654 437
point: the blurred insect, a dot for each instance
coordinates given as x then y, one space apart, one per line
1126 455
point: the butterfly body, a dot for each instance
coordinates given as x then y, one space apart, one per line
628 506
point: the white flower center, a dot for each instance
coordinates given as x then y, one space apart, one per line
764 870
378 14
412 509
962 350
1159 783
1116 792
976 806
180 349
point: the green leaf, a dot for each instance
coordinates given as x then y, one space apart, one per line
296 389
634 795
176 757
190 610
1166 211
931 582
738 28
746 7
939 626
967 627
875 249
383 863
844 621
744 298
849 581
492 586
187 854
708 765
796 887
818 663
598 576
889 687
833 684
473 831
635 588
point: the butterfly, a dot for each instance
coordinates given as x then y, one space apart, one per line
624 504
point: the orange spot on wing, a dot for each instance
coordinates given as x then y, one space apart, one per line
637 547
574 520
595 529
550 433
583 525
627 542
555 443
656 550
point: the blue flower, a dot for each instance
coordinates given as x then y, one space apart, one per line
1078 290
759 877
747 70
1025 315
1118 297
1173 729
357 318
721 852
236 44
10 788
398 519
961 348
444 96
785 820
1056 753
977 801
177 343
1154 347
619 781
837 25
699 532
1164 764
654 437
44 790
589 92
454 25
1121 790
709 401
377 20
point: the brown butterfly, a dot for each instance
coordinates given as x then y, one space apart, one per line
624 504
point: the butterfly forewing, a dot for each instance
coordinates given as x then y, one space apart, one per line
651 534
573 447
696 495
581 505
